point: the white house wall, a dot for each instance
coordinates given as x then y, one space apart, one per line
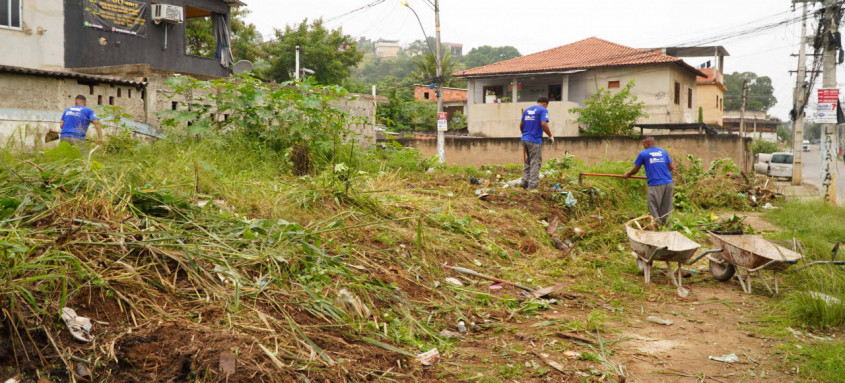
39 43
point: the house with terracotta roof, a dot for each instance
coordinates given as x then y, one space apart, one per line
569 75
710 97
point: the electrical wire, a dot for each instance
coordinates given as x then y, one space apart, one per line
370 5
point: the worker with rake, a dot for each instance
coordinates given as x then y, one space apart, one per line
535 121
658 172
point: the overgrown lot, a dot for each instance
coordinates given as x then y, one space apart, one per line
307 258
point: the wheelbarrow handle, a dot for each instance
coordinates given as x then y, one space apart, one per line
834 263
704 254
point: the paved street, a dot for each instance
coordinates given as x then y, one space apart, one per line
812 172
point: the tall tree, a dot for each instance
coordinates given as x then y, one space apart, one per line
426 69
329 53
486 55
760 92
246 41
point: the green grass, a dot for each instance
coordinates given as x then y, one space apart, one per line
818 226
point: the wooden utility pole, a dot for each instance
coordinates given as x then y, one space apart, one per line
441 151
798 103
742 156
831 22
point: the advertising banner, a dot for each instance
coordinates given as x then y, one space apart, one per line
826 109
120 16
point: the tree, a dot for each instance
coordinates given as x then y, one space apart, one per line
199 37
760 92
486 55
422 47
246 41
426 70
329 53
609 114
813 132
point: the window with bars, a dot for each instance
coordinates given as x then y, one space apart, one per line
10 14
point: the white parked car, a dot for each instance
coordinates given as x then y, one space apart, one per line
761 164
806 145
781 165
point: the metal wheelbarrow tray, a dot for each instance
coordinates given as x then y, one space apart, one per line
667 246
752 254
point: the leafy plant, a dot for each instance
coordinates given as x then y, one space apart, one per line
611 113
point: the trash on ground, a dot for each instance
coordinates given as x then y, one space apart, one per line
463 270
808 335
659 320
454 281
550 231
578 231
539 293
227 362
495 287
769 206
462 326
12 380
730 358
448 334
429 358
227 275
572 354
352 302
545 358
82 370
80 327
827 299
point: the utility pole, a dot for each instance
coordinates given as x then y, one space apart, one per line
441 151
831 22
296 75
742 127
798 103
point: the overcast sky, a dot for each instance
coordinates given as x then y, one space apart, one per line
535 25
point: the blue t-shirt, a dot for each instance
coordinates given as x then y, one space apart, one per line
656 162
76 120
532 128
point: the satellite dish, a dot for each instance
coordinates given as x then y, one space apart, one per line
242 66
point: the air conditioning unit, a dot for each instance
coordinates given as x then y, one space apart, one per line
167 12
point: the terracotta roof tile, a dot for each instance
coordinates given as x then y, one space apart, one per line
707 72
588 53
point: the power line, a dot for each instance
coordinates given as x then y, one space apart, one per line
370 5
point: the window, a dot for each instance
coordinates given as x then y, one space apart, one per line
425 95
100 100
494 94
199 33
782 159
111 100
677 93
555 92
689 98
717 101
118 92
129 93
721 102
10 14
174 105
613 85
90 87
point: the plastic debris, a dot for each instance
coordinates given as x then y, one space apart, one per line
82 370
429 358
730 358
226 364
474 181
659 320
462 326
12 380
80 327
353 303
769 206
227 275
827 299
495 287
450 334
808 335
572 354
454 281
578 231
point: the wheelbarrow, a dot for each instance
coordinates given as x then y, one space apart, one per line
752 254
666 246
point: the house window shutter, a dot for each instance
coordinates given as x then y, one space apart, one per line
689 98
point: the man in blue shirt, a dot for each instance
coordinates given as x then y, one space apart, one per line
535 121
658 172
75 122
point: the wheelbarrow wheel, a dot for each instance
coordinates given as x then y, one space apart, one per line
722 272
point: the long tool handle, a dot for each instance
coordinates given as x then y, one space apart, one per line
489 278
581 176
